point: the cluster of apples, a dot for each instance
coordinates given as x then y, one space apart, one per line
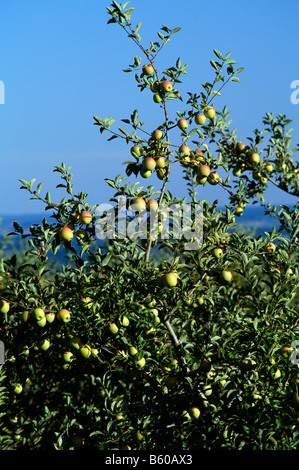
158 88
149 163
42 318
66 233
253 162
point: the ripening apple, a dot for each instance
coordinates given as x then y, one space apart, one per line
200 119
152 204
241 147
194 412
157 134
270 247
148 69
255 158
226 275
166 86
136 150
182 124
148 163
38 314
18 388
64 315
4 306
85 217
185 149
139 204
145 173
113 328
66 234
170 279
217 252
203 170
269 167
160 162
209 112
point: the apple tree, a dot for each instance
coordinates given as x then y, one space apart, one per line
138 342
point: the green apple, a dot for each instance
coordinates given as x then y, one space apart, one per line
200 300
4 306
87 301
26 315
269 167
201 179
226 275
255 158
160 162
85 217
133 351
182 124
50 316
270 247
170 279
161 173
140 363
94 352
113 328
209 112
66 234
217 252
38 314
276 374
68 356
139 436
136 150
119 416
157 134
149 163
42 322
237 171
200 119
238 211
18 388
44 344
214 178
148 69
194 412
75 342
145 173
81 233
207 390
124 321
85 351
64 315
203 170
166 86
157 98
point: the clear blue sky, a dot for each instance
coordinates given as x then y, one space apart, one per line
61 64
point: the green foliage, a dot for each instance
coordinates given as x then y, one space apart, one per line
200 363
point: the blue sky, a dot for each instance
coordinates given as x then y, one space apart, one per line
61 64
